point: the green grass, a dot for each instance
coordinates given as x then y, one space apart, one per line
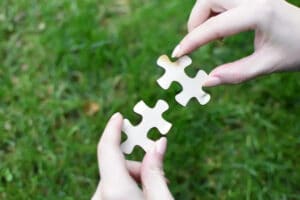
57 57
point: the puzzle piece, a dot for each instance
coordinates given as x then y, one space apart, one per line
191 87
152 117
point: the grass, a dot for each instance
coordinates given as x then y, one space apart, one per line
66 66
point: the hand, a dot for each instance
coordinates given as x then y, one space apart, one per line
119 177
277 36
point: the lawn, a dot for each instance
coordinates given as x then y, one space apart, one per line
66 66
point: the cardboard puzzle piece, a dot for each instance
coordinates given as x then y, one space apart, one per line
152 117
191 87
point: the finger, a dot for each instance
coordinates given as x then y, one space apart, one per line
153 180
200 13
134 169
259 63
112 164
97 194
228 23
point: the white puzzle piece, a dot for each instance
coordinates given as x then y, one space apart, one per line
152 117
191 87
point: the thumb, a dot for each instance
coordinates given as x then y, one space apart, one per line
97 194
153 180
259 63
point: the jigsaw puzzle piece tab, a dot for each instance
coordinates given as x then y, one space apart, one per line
128 147
136 136
191 87
129 130
158 121
173 70
140 108
151 117
202 97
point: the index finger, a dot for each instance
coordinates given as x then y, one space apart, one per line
233 21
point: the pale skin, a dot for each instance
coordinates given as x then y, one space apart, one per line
120 177
277 48
277 36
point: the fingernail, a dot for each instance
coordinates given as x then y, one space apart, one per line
161 145
176 52
212 81
116 115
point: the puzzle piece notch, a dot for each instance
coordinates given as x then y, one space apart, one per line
191 87
152 117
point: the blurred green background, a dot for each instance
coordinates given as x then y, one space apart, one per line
66 66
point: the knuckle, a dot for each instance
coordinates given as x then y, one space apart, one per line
238 77
214 29
217 34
